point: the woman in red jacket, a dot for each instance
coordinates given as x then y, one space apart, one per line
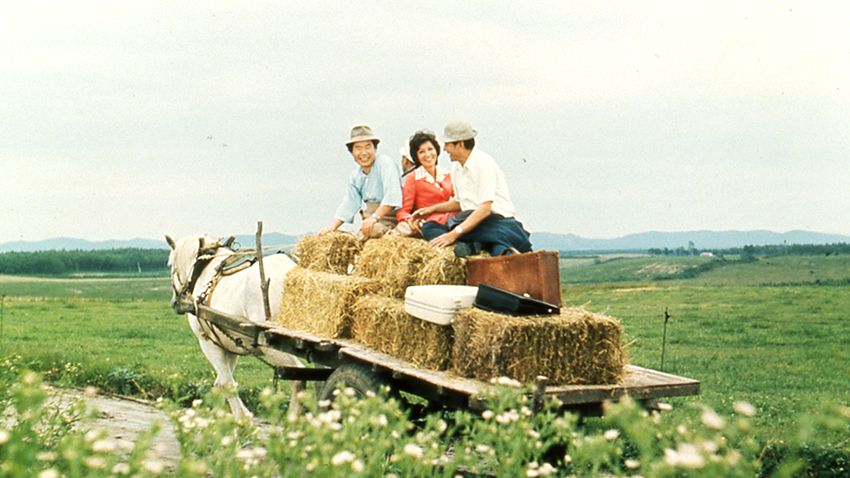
425 186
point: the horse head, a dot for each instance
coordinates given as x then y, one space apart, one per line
183 261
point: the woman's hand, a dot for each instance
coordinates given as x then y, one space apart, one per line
421 214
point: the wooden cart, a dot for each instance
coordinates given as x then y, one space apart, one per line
367 370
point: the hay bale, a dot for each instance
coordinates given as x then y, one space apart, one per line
381 323
400 262
575 347
319 303
335 251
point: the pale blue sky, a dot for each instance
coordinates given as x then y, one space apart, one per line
137 119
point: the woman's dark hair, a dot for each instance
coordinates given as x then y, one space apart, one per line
417 140
374 143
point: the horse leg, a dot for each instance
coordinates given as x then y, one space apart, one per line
224 363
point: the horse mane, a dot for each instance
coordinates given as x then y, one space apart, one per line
186 251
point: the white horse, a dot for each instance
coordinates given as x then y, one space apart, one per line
193 262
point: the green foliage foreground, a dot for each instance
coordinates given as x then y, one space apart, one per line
373 437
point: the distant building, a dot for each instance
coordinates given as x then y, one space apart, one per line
706 254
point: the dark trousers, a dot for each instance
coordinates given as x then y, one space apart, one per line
495 233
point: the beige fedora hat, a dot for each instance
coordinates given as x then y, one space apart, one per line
458 130
362 133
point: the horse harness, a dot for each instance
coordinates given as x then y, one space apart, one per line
233 263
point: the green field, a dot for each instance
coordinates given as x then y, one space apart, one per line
772 332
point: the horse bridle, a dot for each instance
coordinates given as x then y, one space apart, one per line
202 260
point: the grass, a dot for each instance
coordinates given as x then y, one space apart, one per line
118 334
772 332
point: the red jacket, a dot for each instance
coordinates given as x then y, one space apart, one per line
422 190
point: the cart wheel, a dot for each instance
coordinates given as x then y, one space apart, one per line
357 376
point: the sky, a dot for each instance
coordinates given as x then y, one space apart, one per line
126 120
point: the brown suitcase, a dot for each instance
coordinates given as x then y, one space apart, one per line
534 273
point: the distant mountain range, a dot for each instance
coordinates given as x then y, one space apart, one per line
70 244
702 240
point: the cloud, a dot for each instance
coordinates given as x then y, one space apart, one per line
630 116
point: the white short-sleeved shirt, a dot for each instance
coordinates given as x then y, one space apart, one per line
480 180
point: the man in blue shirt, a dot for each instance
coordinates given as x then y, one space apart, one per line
374 188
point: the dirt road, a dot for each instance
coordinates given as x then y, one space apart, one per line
125 418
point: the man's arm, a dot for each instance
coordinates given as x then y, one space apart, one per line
333 227
369 222
479 214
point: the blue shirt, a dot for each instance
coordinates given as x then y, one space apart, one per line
381 185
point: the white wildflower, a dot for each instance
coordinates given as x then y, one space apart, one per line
90 391
49 473
324 403
46 456
612 434
744 409
632 464
121 468
343 457
488 414
103 446
95 462
244 454
685 456
226 440
709 446
357 466
546 469
482 448
681 429
413 450
712 420
154 466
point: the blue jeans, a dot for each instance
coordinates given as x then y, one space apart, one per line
495 233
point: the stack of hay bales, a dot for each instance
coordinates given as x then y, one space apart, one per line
317 295
400 262
334 252
380 322
319 303
323 297
574 347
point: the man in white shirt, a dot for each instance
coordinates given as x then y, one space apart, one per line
486 221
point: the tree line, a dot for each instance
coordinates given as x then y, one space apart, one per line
64 262
764 250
